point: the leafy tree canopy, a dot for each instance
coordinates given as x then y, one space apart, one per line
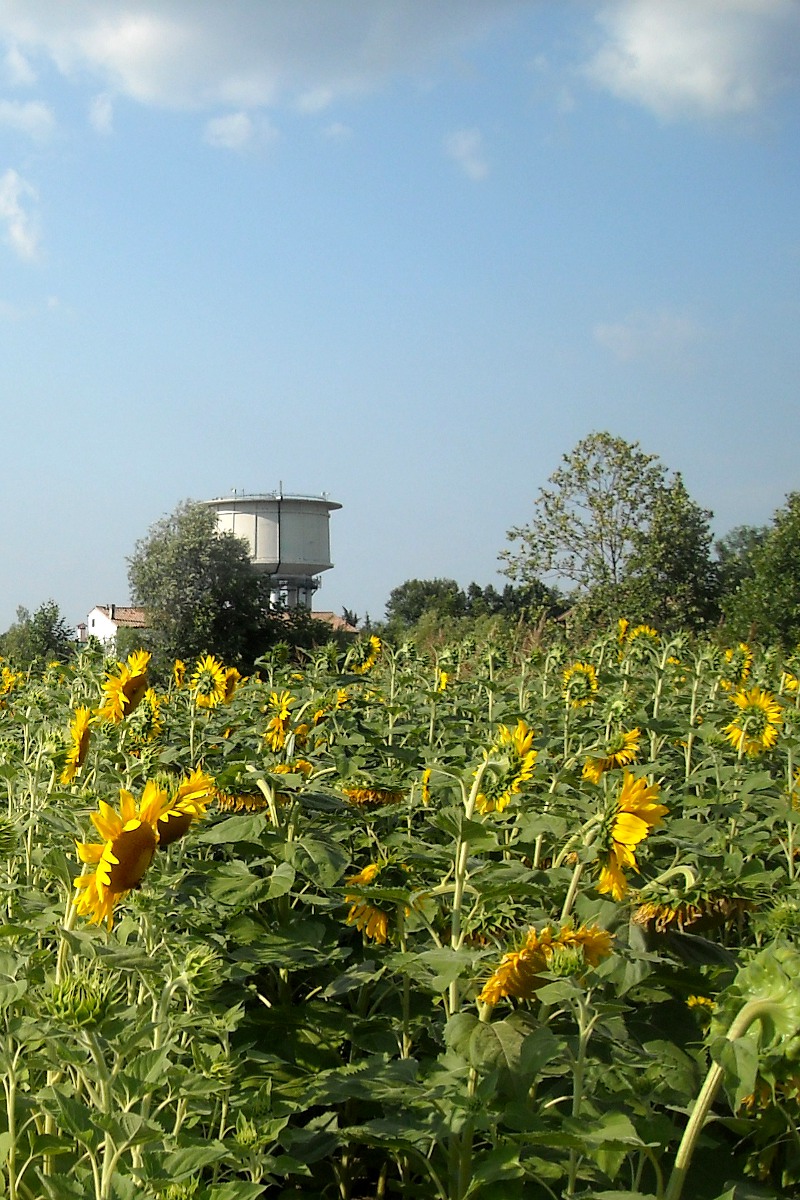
625 535
766 604
199 589
444 599
38 638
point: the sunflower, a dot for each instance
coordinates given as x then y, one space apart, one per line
179 672
374 922
580 684
635 814
232 681
736 664
645 633
125 690
705 912
187 804
373 794
518 974
279 704
121 860
9 679
364 656
208 682
620 751
79 735
513 754
242 800
756 728
146 724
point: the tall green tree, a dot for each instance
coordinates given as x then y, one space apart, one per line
38 638
587 523
411 599
672 580
200 591
626 537
766 604
736 553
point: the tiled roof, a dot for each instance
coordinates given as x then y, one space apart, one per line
337 623
120 614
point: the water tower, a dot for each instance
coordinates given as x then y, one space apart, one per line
288 536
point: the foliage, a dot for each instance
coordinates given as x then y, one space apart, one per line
624 535
672 581
38 638
199 589
735 555
444 600
493 924
766 604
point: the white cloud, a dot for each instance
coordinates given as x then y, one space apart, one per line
21 227
705 58
245 53
237 131
32 118
465 147
338 132
16 70
101 113
663 335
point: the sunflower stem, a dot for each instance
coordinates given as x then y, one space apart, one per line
754 1010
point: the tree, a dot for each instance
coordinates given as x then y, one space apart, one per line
766 605
626 536
586 525
200 591
736 555
672 581
39 638
411 599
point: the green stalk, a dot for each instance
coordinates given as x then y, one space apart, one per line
460 879
754 1010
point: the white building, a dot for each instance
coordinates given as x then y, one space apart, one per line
105 621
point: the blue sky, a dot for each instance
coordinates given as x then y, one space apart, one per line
407 254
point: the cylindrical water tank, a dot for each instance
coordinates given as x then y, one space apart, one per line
288 536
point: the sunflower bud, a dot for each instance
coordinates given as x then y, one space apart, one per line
81 1001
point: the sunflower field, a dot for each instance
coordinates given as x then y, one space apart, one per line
498 923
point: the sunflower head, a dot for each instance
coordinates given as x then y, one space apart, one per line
510 764
125 690
636 812
121 860
364 655
579 684
620 751
736 664
372 921
755 729
79 733
208 683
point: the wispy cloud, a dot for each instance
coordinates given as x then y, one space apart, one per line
239 131
101 113
20 221
663 335
16 70
697 58
204 54
338 132
465 146
29 117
